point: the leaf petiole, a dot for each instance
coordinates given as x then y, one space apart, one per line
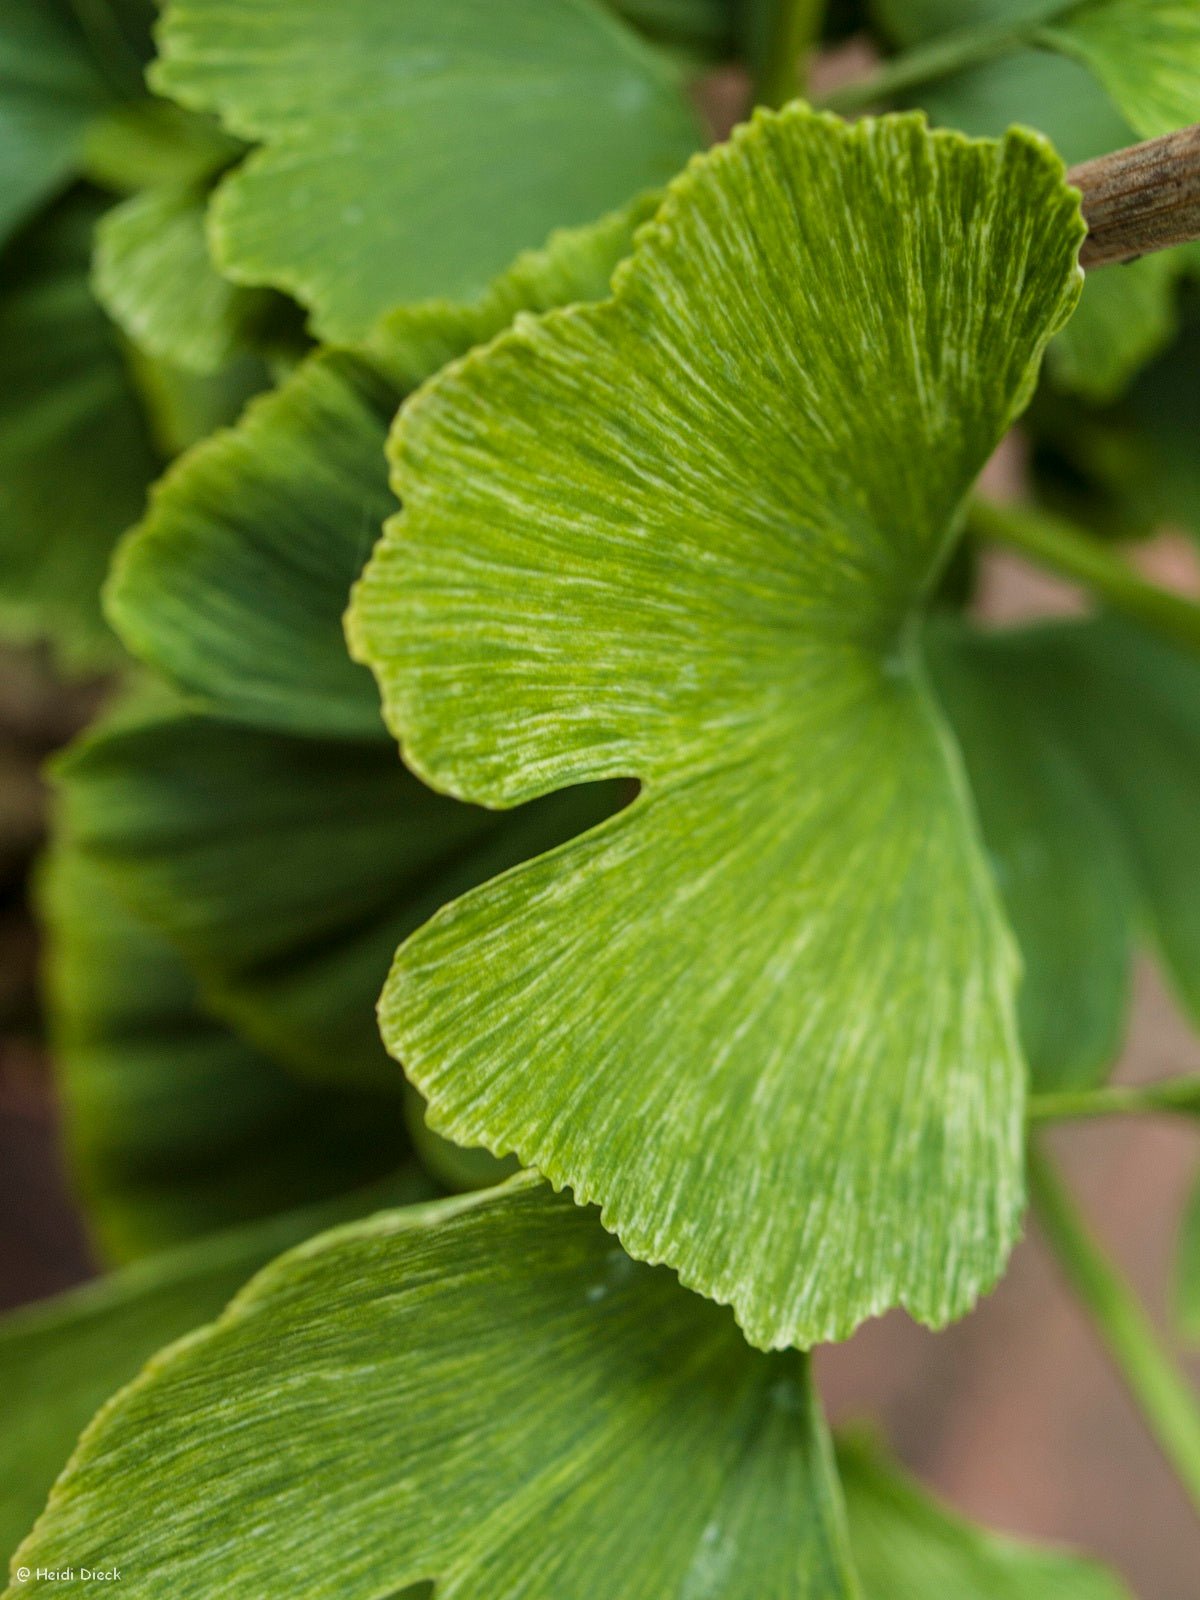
1054 543
795 26
1167 1403
1180 1096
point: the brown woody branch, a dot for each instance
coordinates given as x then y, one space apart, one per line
1140 199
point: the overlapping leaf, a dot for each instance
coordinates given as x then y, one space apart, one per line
502 1401
286 505
387 133
1082 745
60 1360
679 536
287 869
1146 53
154 276
176 1127
49 93
75 454
290 502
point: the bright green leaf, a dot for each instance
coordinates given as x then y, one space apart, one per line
485 1391
288 869
75 457
60 1360
681 536
387 131
907 1547
1124 317
154 276
175 1126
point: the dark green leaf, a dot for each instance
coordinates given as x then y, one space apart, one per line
409 152
1082 744
176 1127
288 869
49 92
75 456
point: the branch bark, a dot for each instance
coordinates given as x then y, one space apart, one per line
1140 199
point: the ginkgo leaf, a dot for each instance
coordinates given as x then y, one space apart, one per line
1055 849
287 869
155 278
75 455
287 504
1146 53
291 501
907 1547
1124 317
575 264
1082 746
49 92
386 131
766 1015
175 1126
61 1359
484 1391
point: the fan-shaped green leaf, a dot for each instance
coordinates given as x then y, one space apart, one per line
177 1127
60 1360
907 1547
75 456
287 869
680 535
154 276
386 131
502 1400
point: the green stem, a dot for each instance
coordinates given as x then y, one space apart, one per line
1060 546
795 26
927 63
1167 1403
1172 1095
